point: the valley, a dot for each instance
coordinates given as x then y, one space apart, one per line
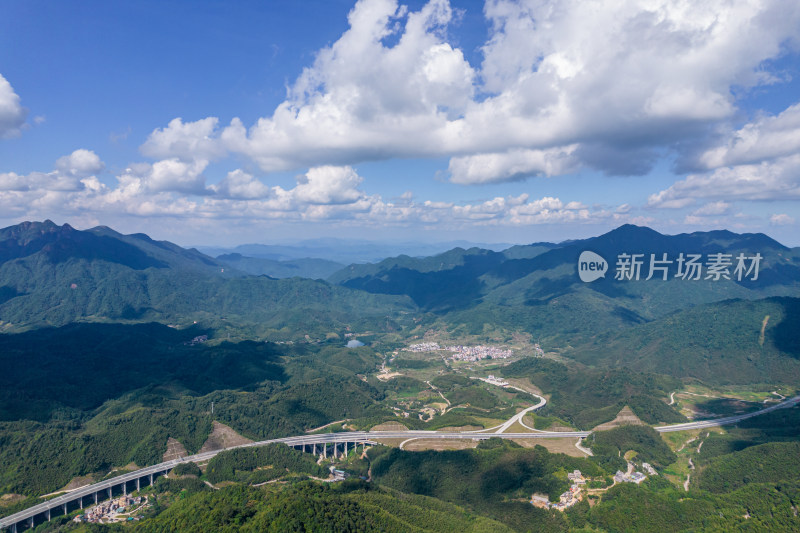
479 380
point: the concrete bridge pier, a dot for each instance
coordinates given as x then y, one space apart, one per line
65 508
48 515
95 498
138 483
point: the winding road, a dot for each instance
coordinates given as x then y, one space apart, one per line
728 419
361 437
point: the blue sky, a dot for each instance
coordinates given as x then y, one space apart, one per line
515 121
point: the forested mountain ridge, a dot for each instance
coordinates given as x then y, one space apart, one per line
537 288
54 275
543 271
728 342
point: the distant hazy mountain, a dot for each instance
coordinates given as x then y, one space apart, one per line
344 251
52 274
63 243
441 282
303 268
537 288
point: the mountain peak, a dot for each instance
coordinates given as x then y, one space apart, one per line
628 230
62 243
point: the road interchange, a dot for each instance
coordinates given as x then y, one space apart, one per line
355 438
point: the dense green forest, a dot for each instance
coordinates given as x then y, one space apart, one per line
587 397
775 461
757 507
350 506
643 440
496 479
111 345
86 398
55 275
718 343
469 490
238 465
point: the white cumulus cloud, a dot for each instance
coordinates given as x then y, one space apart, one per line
164 176
512 165
712 209
773 180
12 114
241 185
767 138
326 185
781 219
80 163
563 84
185 140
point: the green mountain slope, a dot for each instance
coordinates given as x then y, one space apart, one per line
717 343
439 283
587 397
53 275
495 480
537 288
352 506
771 462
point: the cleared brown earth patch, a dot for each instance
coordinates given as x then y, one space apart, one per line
559 427
439 444
526 385
175 450
516 427
529 420
78 482
625 417
565 446
389 426
389 442
75 483
222 437
10 499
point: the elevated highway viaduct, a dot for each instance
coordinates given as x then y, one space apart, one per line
322 443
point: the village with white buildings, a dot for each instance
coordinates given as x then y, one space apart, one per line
122 509
567 499
577 488
463 353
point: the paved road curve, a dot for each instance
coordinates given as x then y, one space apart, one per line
361 437
352 437
728 419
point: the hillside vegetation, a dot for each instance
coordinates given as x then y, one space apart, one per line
719 343
588 397
54 275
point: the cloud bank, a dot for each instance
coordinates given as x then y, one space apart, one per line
12 114
610 86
